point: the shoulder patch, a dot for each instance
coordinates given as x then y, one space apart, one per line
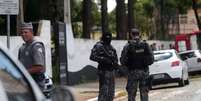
40 50
98 44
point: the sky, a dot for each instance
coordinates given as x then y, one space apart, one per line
111 4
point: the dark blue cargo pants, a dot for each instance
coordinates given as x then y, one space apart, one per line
137 78
106 85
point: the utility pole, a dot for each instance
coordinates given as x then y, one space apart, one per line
20 16
67 16
63 31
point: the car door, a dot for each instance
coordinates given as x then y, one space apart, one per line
198 60
191 61
14 83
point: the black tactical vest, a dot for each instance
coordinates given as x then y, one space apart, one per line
136 55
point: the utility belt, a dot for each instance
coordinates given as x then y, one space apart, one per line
138 67
106 67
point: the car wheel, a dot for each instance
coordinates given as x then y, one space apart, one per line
181 82
187 82
150 86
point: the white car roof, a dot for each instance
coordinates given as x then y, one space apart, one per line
167 50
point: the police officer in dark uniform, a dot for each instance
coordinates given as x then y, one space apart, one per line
104 53
32 54
137 55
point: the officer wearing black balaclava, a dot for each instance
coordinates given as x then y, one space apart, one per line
104 53
136 56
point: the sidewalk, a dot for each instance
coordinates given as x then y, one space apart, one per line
89 91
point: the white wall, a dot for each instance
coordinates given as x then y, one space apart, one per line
79 57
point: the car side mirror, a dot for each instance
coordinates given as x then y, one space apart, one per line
62 93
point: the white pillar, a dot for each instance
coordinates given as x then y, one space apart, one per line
67 17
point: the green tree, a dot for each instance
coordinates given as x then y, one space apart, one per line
112 22
166 11
147 27
96 16
76 17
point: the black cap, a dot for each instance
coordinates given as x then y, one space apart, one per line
135 31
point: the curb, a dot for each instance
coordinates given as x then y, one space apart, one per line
118 95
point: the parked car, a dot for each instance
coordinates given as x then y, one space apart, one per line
168 67
16 84
193 59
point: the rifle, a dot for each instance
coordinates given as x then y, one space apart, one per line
113 58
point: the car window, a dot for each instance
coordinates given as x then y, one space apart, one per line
159 56
16 87
185 56
178 56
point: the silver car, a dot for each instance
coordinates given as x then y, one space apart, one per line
193 59
16 84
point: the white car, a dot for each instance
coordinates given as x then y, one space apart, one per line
193 59
168 67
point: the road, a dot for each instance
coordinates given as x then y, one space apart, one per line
171 92
167 92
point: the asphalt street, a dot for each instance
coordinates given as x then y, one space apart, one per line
171 92
165 92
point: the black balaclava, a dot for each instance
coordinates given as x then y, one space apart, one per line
106 38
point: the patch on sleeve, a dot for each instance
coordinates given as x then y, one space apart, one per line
40 50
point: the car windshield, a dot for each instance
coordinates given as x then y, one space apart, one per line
185 56
159 56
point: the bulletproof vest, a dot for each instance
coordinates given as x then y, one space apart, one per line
25 54
136 55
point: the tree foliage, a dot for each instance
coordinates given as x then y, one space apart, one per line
152 17
165 12
76 17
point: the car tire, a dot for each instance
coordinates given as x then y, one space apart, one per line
187 82
181 82
150 86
